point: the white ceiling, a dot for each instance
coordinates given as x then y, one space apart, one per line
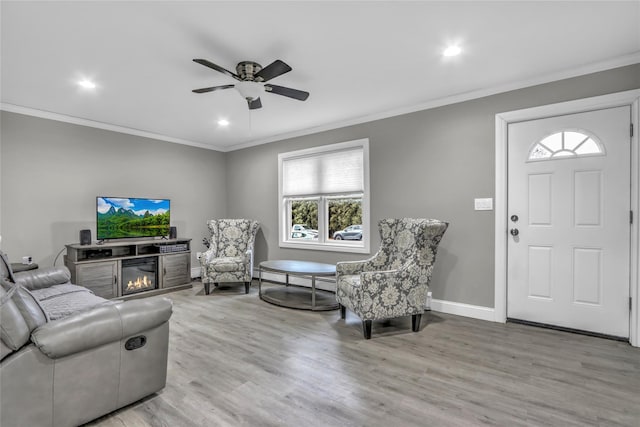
359 60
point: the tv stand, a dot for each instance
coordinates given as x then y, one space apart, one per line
99 266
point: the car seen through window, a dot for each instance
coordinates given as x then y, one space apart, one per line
352 232
301 231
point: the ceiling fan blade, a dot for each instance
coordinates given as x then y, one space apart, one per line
217 68
275 69
255 104
287 91
211 89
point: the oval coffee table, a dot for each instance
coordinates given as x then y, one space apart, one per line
299 297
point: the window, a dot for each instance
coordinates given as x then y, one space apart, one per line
324 197
567 144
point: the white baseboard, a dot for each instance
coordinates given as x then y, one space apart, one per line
449 307
461 309
321 283
441 306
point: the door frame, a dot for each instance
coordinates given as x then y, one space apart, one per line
626 98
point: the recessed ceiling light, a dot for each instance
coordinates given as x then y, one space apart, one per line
86 84
452 51
223 122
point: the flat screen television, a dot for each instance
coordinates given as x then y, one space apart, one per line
119 217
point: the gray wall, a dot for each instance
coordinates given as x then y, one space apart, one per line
431 163
51 173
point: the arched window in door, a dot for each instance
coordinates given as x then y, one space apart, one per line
566 144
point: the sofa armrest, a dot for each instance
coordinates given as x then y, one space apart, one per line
347 268
143 314
43 277
207 256
248 259
374 279
99 326
357 267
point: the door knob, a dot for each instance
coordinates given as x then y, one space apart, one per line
514 232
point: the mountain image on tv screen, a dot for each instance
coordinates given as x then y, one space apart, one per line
132 217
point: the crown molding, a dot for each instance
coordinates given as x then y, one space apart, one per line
454 99
12 108
631 59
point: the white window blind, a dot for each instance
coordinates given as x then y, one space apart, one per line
331 172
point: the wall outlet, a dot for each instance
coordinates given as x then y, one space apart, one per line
428 305
27 260
198 255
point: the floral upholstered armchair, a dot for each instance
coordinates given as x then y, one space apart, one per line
395 281
229 258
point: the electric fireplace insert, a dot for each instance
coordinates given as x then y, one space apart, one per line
139 275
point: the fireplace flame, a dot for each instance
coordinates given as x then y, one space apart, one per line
140 283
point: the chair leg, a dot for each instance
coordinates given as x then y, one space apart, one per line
415 322
343 311
247 285
366 329
206 288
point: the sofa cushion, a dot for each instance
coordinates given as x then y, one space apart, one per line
57 291
61 301
224 264
29 307
14 330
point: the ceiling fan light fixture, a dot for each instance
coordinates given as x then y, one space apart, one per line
252 80
453 50
250 90
86 84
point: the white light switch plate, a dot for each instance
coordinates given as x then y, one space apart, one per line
483 204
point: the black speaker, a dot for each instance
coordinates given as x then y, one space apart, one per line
85 237
173 233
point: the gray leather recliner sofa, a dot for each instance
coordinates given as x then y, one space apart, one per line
68 356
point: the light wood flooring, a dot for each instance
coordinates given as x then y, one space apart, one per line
238 361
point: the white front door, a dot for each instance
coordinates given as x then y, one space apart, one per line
569 218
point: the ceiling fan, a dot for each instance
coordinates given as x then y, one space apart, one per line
251 77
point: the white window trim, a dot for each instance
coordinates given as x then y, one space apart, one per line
364 245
